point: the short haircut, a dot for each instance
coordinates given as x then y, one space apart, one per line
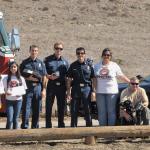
80 49
58 43
32 47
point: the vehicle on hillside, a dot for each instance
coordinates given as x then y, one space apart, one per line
9 44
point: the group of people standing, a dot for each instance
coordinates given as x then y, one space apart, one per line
54 77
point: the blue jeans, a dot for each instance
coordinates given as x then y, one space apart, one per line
32 101
13 109
106 105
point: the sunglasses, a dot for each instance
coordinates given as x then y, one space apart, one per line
58 48
107 55
82 53
134 83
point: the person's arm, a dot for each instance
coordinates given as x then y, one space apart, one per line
93 94
52 76
68 85
123 112
145 101
44 84
44 80
120 74
124 78
94 84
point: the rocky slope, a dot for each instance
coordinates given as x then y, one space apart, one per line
122 25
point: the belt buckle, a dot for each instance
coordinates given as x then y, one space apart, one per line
81 85
34 84
58 83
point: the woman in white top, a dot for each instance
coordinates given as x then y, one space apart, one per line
15 87
106 73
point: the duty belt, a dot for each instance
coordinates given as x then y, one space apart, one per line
82 84
34 83
30 83
57 83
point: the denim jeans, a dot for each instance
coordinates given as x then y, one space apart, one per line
31 104
13 109
106 105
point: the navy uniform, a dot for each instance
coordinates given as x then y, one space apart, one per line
81 74
33 94
56 88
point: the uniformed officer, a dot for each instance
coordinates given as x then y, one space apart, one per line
80 75
34 72
56 67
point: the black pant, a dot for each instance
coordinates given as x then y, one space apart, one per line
60 92
80 94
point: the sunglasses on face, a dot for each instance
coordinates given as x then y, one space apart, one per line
107 55
134 83
58 48
80 53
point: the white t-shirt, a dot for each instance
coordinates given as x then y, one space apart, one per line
106 76
1 87
13 83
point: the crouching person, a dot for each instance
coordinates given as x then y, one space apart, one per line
134 105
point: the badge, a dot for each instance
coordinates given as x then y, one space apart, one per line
39 65
64 63
88 67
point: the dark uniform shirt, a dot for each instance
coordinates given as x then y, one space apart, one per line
53 65
37 66
81 72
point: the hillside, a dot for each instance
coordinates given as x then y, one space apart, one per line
122 25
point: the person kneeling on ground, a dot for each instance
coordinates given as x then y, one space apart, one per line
134 105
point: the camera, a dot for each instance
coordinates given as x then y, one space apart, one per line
139 107
128 106
57 74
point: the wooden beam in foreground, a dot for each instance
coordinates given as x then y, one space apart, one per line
72 133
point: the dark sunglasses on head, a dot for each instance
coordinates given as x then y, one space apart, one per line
58 48
134 83
82 53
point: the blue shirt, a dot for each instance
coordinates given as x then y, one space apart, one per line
54 64
34 65
81 72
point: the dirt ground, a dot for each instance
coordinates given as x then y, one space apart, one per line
122 25
137 144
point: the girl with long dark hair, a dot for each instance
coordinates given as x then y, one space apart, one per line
15 87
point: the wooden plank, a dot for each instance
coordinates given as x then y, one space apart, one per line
73 133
